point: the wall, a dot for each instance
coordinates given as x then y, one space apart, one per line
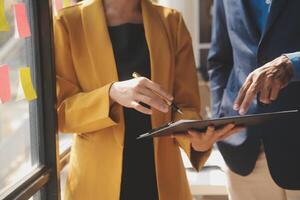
190 12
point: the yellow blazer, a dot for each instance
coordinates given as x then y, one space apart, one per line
86 68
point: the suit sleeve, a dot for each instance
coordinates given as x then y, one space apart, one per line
220 60
295 59
78 111
186 90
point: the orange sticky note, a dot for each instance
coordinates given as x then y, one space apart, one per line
26 83
4 26
21 20
5 93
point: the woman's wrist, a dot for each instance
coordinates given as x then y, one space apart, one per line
111 94
199 148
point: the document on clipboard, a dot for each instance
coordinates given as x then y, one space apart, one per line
182 126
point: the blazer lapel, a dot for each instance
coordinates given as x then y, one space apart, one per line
158 44
160 56
249 23
98 42
277 7
101 53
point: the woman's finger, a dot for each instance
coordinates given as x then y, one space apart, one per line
146 91
160 104
141 108
158 89
153 102
222 131
194 133
183 136
210 130
207 135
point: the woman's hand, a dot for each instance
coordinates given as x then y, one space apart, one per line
203 141
139 90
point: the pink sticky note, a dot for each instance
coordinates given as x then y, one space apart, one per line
22 22
5 93
58 4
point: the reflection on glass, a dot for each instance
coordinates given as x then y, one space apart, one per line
65 142
18 134
37 196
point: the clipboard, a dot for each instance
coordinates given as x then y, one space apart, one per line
182 126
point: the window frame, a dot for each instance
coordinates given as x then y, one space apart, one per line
46 177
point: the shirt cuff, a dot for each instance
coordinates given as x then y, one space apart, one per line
295 59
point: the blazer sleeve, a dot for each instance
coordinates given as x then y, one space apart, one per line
220 59
78 111
295 59
186 90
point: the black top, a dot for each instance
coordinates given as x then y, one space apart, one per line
132 55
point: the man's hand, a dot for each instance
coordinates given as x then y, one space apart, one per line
267 80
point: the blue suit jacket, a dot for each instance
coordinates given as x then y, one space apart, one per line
238 49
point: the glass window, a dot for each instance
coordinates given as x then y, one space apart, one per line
65 142
19 140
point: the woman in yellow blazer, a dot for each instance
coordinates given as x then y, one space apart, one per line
93 96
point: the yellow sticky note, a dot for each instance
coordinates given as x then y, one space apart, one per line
4 26
26 83
67 3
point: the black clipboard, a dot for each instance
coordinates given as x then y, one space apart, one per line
182 126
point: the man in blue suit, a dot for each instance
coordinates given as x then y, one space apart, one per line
254 67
